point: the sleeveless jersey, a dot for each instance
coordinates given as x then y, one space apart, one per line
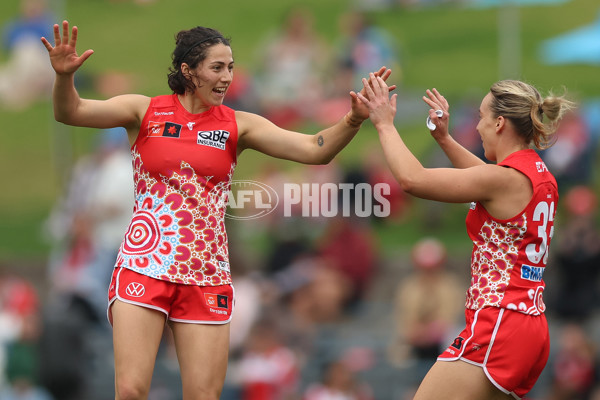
183 165
509 256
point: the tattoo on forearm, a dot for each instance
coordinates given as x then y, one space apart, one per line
320 141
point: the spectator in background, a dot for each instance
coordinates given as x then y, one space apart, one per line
90 220
362 46
20 330
86 227
577 258
293 65
23 363
376 173
575 366
428 306
348 247
268 369
339 382
26 75
312 292
570 158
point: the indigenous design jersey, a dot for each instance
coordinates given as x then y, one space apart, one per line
509 256
183 165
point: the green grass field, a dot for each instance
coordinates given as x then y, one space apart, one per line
451 48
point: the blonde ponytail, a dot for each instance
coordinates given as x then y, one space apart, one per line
534 117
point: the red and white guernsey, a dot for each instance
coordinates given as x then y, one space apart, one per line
509 256
183 165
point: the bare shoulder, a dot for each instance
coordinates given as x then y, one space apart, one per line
137 101
503 178
491 174
510 191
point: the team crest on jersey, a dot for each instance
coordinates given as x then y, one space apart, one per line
216 138
164 129
224 266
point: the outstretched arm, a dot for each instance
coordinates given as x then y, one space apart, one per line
260 134
458 155
69 108
478 183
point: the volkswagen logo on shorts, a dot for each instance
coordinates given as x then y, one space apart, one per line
250 200
135 289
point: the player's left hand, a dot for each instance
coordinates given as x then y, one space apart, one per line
377 100
359 110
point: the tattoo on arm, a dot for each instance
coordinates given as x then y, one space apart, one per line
320 141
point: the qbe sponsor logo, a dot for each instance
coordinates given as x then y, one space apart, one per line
216 138
251 199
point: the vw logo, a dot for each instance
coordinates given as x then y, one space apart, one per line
135 289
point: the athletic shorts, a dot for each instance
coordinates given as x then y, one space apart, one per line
181 303
511 347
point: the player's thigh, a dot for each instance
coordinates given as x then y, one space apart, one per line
202 352
458 380
137 333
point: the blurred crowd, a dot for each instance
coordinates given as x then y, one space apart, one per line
322 313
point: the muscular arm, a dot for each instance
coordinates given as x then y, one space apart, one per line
458 155
477 183
125 110
256 132
260 134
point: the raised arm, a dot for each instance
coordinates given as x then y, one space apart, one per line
69 108
458 155
260 134
479 183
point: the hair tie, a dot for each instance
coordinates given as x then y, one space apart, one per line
198 43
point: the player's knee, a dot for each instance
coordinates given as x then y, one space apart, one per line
128 390
203 394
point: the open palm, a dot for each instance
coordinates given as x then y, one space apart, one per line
359 109
63 56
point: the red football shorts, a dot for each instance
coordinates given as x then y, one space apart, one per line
180 303
511 347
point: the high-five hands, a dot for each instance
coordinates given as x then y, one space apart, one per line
63 56
376 98
359 108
